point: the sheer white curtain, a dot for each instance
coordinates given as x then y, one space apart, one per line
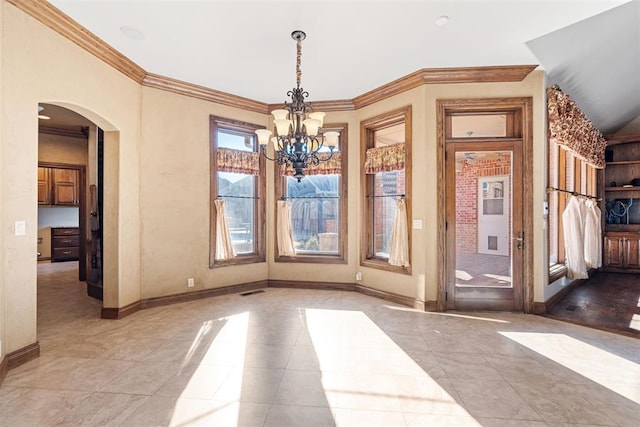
573 221
399 254
284 233
592 235
224 248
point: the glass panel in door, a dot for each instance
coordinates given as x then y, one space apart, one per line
483 209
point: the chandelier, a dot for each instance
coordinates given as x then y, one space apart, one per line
298 140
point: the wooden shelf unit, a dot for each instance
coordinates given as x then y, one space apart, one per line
621 248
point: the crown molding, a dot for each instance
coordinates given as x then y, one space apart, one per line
189 89
509 73
61 23
72 133
55 19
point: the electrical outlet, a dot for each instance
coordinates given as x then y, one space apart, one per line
190 282
358 276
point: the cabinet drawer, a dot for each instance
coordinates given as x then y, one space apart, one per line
65 241
65 253
65 231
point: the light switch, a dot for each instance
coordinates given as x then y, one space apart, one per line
21 228
417 224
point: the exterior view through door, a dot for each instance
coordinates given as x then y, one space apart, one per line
483 220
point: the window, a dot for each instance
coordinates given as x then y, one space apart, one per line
318 206
566 172
386 144
237 178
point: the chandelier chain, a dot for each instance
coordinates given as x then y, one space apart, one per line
298 60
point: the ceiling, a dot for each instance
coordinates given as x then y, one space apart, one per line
352 46
61 118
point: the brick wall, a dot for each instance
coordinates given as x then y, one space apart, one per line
467 174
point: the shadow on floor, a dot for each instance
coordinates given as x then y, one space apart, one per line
608 301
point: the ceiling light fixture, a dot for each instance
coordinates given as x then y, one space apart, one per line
132 32
42 116
298 139
443 20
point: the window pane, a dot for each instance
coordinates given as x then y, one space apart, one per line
237 141
389 136
241 216
236 184
238 191
315 213
388 185
475 126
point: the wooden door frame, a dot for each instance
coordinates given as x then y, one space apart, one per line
523 109
82 213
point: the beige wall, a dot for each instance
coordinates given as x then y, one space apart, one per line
62 149
174 195
631 128
79 81
157 179
3 299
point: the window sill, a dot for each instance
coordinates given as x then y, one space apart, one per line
557 271
238 260
313 259
383 264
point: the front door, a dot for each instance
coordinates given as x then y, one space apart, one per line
484 216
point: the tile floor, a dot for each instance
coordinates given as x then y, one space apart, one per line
313 358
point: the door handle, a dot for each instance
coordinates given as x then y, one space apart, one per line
519 240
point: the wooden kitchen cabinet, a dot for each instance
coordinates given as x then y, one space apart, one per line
65 243
65 187
58 186
44 186
622 252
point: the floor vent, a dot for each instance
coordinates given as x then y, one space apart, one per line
259 291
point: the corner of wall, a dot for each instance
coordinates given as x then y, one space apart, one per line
3 301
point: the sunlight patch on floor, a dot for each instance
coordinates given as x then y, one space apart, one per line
463 275
506 279
209 375
609 370
364 369
439 313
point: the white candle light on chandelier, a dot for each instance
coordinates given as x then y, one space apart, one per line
263 136
331 139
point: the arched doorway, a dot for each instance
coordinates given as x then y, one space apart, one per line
78 156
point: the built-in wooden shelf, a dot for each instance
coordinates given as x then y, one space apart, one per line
622 188
624 162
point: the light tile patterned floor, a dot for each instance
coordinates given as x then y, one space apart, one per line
305 358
